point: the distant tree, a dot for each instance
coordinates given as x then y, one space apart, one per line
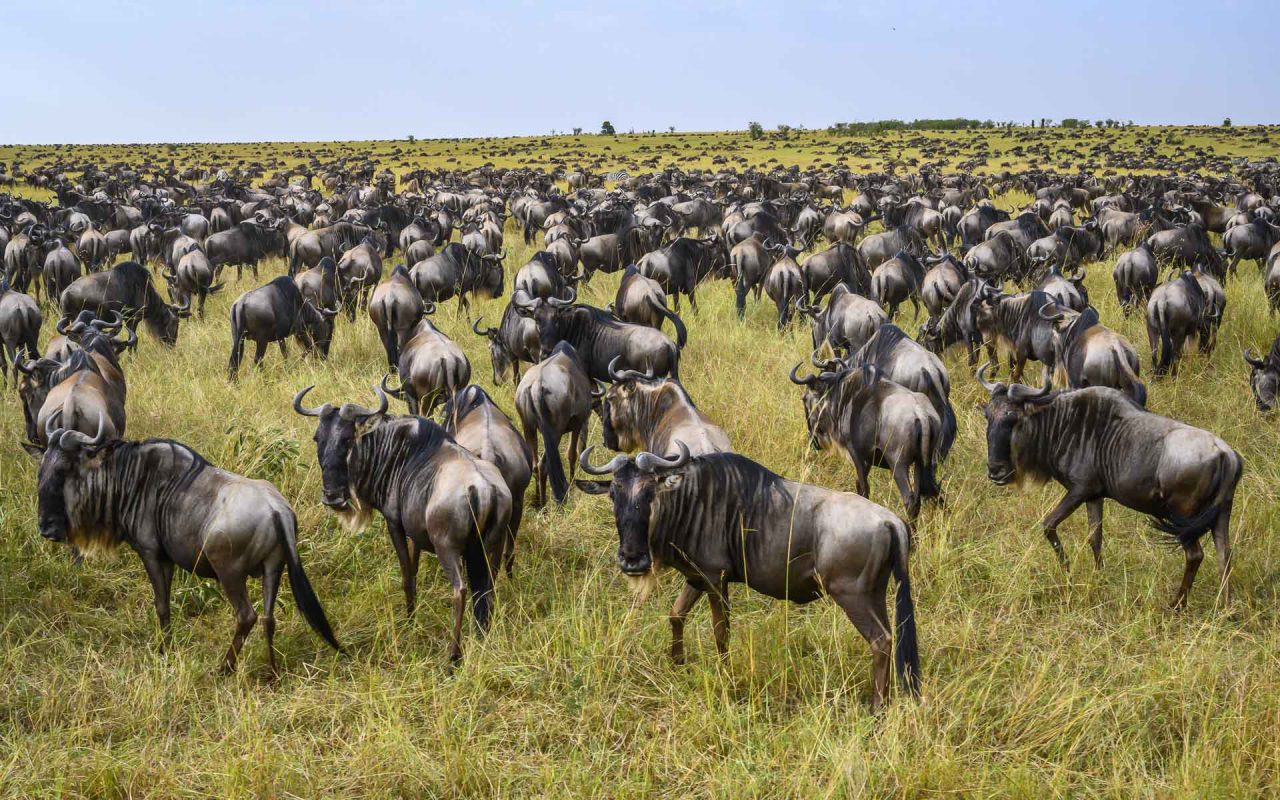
756 130
1226 123
577 131
784 131
1070 122
671 129
606 129
411 139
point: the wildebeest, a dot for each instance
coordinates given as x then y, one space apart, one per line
174 508
1264 376
1097 443
679 266
20 322
804 541
273 313
641 412
1253 240
432 368
1091 354
880 247
1067 291
395 309
958 323
320 284
475 422
61 269
784 283
847 322
193 276
599 337
973 226
896 281
839 263
875 423
126 288
359 271
514 340
1175 313
640 300
541 277
941 284
748 263
454 271
1014 323
553 399
433 494
1135 274
245 245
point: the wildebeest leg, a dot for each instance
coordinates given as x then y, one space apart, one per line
259 350
451 563
234 586
540 487
719 599
689 596
160 571
408 565
867 612
1019 364
253 265
1194 556
910 496
1094 509
270 590
513 527
284 349
1223 547
860 467
1054 518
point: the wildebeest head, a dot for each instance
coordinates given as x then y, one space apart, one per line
336 434
491 274
63 454
622 403
546 313
635 484
1264 377
1008 406
315 327
820 413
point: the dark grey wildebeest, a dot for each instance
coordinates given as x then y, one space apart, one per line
1098 444
641 412
806 541
433 494
554 398
273 313
173 508
1264 376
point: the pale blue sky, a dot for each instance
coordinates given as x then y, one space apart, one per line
376 69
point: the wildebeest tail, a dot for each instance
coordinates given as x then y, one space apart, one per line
479 569
551 451
906 646
740 289
237 340
946 414
1187 530
1165 361
303 594
682 334
1133 384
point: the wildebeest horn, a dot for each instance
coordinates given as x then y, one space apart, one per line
1048 318
556 302
307 412
825 363
1077 275
183 310
648 462
521 299
986 384
70 441
112 326
613 466
490 332
808 380
61 327
1253 360
354 413
1018 392
619 375
599 389
25 367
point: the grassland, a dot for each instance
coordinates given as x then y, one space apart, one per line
1038 683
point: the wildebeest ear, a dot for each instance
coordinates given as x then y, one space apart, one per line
593 487
673 480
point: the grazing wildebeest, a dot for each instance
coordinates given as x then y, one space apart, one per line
748 262
541 277
997 258
245 245
1253 240
599 337
640 300
941 284
454 271
395 309
193 276
126 288
433 494
973 226
805 541
1098 444
847 322
957 324
20 323
880 247
784 283
1014 324
896 281
1264 376
1186 245
432 368
1091 354
514 340
1136 274
273 313
1067 291
679 266
174 508
875 422
475 422
839 263
61 269
641 412
320 284
359 271
553 399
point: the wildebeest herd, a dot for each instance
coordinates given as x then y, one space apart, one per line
1007 283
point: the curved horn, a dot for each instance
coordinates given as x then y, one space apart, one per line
1047 317
648 462
1252 360
618 375
354 413
1018 392
556 302
307 412
490 332
397 393
71 441
991 387
61 327
613 466
808 380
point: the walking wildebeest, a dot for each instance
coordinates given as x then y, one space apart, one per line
805 541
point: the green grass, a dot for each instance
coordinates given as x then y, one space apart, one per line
1037 682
